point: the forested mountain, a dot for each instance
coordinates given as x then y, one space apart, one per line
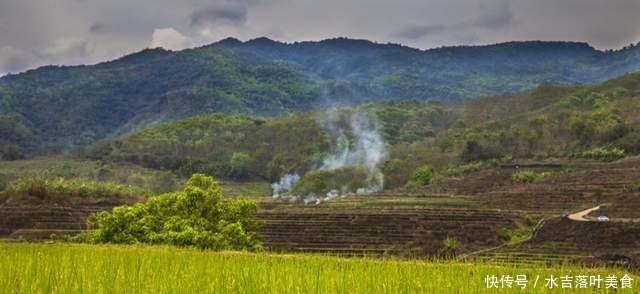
367 70
74 106
78 105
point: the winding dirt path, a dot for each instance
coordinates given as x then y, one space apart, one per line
580 215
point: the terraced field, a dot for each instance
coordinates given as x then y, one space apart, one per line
473 209
461 215
626 208
404 231
562 240
572 188
40 221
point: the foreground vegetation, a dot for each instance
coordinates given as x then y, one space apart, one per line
197 216
36 268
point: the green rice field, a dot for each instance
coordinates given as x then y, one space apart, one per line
71 268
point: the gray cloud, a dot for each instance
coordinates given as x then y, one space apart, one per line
493 17
13 60
36 32
417 32
231 14
97 28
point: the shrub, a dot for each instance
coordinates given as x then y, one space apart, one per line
450 247
603 153
197 216
630 143
11 152
456 170
514 236
423 175
526 177
474 151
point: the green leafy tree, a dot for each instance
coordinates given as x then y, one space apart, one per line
240 163
423 175
197 216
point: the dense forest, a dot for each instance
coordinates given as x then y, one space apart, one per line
55 108
598 122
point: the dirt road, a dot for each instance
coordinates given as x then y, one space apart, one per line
580 216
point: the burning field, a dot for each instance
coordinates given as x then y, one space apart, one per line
351 167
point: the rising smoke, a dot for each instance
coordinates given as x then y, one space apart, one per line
356 142
285 184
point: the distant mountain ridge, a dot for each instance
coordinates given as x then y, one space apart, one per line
71 106
505 67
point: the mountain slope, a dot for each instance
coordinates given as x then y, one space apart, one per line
546 123
75 106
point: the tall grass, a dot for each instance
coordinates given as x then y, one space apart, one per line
40 268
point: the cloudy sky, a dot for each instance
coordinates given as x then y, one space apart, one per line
38 32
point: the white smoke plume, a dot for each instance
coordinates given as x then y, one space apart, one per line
285 184
367 149
356 142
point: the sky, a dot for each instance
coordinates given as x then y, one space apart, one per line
41 32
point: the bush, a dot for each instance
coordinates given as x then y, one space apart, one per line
630 143
197 216
603 153
474 151
526 177
456 170
11 152
61 188
450 247
423 175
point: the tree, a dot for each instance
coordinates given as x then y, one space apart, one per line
197 216
12 152
423 175
240 163
473 151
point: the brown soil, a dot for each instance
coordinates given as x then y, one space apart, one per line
34 219
626 208
563 240
402 231
573 189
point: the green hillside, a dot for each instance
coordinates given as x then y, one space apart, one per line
591 122
75 106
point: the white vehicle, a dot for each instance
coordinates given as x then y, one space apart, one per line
603 218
